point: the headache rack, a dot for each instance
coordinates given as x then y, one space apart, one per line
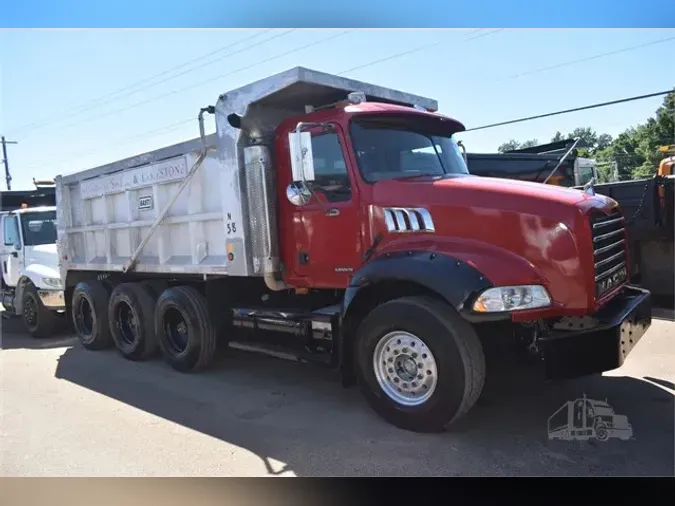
609 251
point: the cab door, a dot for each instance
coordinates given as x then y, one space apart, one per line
326 234
11 251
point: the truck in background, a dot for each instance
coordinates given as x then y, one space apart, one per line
31 280
44 195
316 212
647 204
557 163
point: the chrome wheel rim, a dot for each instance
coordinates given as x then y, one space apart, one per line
405 368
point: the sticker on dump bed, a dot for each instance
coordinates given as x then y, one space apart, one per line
145 202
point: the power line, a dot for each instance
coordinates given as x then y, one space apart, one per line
588 58
196 85
125 140
414 50
201 83
566 111
115 96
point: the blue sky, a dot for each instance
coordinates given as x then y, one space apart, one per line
62 81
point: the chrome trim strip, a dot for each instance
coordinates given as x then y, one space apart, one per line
609 272
609 259
604 249
607 235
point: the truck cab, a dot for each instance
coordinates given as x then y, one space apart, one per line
31 282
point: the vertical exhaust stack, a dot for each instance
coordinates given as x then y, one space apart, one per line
261 195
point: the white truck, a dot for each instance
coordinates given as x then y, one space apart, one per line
307 214
31 279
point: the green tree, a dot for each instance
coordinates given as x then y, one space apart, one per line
514 144
634 152
508 146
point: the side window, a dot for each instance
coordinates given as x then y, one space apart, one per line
330 168
11 231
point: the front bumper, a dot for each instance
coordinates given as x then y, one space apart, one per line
52 299
620 325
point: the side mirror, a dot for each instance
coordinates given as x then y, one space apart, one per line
302 161
298 194
17 246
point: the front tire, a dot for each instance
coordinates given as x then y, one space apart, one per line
39 321
185 331
419 365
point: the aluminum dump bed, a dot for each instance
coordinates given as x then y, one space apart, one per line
224 221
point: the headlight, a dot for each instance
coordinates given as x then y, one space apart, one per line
55 282
512 298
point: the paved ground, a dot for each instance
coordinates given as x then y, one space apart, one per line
69 412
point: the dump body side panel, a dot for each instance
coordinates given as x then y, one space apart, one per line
104 214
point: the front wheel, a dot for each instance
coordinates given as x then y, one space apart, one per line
38 320
420 366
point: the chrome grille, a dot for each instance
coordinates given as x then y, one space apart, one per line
401 219
609 251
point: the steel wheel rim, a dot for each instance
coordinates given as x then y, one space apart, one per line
84 319
30 316
127 323
175 330
405 368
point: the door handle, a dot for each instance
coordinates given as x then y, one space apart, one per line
15 254
333 212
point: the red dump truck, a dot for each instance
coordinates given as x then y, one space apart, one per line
308 220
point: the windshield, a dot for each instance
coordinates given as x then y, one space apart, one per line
388 151
39 228
585 175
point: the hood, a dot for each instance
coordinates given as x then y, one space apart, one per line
543 228
43 257
495 193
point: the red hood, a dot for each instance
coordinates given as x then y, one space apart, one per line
491 193
512 231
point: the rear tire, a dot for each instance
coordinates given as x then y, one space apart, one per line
131 313
39 321
90 315
186 333
419 365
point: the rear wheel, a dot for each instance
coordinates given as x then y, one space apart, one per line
420 366
38 320
185 331
131 313
90 315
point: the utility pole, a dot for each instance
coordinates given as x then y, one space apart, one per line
8 178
